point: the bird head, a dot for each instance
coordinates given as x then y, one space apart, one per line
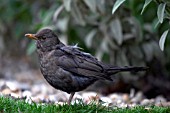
45 38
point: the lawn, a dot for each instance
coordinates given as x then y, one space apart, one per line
12 105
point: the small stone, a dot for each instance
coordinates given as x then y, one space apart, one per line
132 105
77 96
52 98
132 93
164 104
106 101
2 85
147 108
13 85
60 103
26 93
62 97
90 96
6 91
116 98
160 99
147 102
15 95
36 89
138 97
24 86
123 105
125 97
119 101
113 96
41 88
39 98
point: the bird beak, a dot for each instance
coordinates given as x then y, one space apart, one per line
32 36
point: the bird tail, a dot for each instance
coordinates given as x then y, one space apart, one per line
115 70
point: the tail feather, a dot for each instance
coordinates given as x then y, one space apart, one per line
121 69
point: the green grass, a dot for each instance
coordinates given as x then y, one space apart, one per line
10 105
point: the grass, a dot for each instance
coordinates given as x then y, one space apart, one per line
11 105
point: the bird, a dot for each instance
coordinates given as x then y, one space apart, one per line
68 68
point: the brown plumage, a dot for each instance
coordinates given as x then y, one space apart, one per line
69 69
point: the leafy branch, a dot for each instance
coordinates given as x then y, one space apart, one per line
163 12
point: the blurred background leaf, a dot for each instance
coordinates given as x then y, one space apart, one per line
147 2
162 40
161 11
116 5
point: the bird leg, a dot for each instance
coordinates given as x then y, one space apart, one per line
70 98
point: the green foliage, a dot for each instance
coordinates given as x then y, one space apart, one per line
147 2
125 38
31 47
15 15
22 16
162 40
116 5
161 10
121 36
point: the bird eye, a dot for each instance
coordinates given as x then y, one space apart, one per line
43 38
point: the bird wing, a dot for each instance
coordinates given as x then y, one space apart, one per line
81 63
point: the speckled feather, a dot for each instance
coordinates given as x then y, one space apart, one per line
69 69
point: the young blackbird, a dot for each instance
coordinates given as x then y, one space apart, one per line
69 69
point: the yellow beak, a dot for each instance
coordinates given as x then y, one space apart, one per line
32 36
